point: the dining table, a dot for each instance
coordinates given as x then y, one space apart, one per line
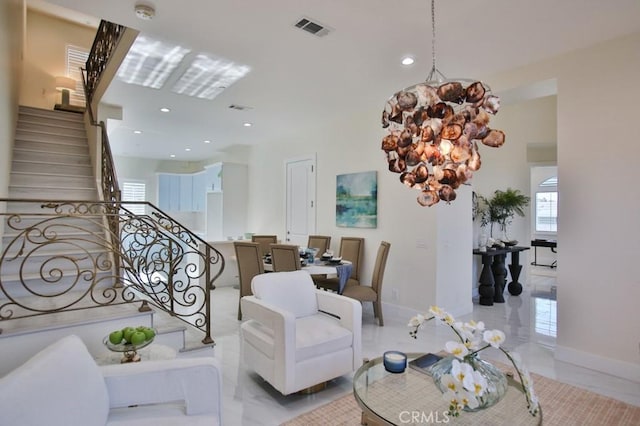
319 267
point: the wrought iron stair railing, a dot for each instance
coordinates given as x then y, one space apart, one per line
162 263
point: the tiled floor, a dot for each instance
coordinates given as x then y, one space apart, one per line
529 323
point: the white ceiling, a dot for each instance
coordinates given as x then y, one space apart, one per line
300 83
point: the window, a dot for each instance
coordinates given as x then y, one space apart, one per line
76 59
547 206
134 191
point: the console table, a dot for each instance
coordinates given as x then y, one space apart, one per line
493 277
552 244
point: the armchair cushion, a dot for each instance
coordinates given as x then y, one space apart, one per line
320 334
61 385
290 291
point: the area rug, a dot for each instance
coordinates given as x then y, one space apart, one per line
562 405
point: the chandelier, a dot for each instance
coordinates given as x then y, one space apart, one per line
434 129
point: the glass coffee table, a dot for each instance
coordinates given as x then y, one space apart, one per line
411 397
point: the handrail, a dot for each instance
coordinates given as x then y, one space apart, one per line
163 263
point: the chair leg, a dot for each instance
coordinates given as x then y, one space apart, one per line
378 304
239 311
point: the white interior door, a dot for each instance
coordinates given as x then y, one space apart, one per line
301 200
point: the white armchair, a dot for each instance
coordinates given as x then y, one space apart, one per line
62 385
296 336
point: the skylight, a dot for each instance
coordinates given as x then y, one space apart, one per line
150 62
208 76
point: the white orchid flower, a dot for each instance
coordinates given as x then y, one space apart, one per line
449 319
437 312
461 371
455 402
456 349
450 382
494 337
468 399
476 383
416 321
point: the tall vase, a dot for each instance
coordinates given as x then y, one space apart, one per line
496 380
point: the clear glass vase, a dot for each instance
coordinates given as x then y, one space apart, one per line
496 380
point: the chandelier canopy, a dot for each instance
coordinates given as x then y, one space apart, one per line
433 132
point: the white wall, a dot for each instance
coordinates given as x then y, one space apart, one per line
599 205
46 56
11 62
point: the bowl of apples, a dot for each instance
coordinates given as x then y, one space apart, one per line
129 340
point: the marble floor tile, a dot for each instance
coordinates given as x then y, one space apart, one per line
528 322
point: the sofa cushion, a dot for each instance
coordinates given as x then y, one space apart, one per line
290 291
320 334
61 385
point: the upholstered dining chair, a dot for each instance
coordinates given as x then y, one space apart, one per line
297 337
319 242
250 264
285 257
351 249
265 242
372 293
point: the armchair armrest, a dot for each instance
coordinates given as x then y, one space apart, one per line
349 311
196 381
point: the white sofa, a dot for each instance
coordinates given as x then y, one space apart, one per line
296 336
63 386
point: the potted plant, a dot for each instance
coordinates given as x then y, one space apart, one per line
502 207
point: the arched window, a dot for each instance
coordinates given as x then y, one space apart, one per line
547 206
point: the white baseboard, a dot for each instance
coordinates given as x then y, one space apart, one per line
614 367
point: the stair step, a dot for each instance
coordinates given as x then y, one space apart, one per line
43 180
47 167
30 193
36 266
30 119
49 113
39 156
35 136
52 129
53 147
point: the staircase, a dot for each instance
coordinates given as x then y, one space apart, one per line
51 161
51 157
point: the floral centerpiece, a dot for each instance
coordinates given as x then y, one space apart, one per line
467 382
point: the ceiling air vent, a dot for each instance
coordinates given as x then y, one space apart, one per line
312 27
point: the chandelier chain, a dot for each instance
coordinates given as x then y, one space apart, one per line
433 36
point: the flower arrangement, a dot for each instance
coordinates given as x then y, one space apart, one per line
465 386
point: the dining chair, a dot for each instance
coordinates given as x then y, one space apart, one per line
319 242
265 242
351 249
285 257
250 264
373 293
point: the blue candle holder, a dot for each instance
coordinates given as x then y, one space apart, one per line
394 361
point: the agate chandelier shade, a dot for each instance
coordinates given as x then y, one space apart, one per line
434 129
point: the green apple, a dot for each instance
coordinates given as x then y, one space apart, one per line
138 338
127 332
149 333
141 328
115 337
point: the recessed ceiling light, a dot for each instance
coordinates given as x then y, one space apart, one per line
247 124
172 156
407 60
137 132
207 141
165 109
187 149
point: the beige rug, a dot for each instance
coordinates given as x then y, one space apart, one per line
562 405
